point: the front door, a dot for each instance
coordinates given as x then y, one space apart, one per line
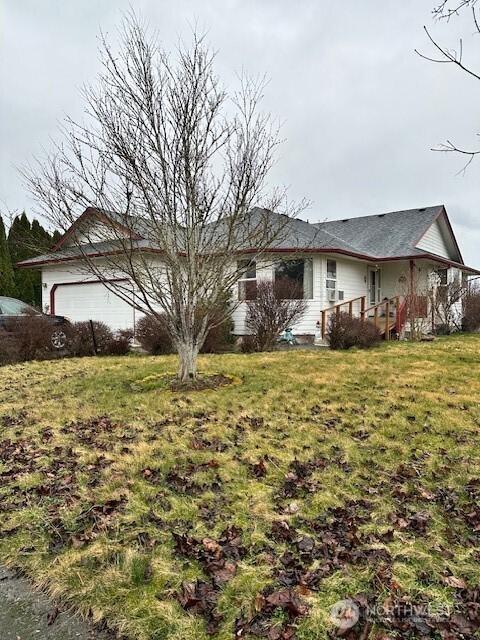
374 286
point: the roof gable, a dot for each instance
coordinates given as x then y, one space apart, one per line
93 226
385 235
440 240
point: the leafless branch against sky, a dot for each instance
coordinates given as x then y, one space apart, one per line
450 8
449 56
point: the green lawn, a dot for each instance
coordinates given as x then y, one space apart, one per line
253 508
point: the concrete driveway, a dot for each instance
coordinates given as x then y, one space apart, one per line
25 615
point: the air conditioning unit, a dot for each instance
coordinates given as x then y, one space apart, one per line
332 295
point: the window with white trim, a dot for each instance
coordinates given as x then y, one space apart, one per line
247 284
297 276
331 281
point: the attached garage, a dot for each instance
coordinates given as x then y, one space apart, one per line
80 301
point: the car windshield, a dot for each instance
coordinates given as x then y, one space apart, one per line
11 307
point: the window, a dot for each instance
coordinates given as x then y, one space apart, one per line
11 307
331 279
443 274
297 276
332 269
247 285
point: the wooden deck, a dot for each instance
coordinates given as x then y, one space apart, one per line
387 315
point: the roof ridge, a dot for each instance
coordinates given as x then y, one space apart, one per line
378 215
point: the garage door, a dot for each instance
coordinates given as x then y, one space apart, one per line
92 301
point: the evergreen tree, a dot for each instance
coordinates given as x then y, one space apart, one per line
26 240
41 239
7 282
56 237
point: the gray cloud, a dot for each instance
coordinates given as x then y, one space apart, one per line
360 109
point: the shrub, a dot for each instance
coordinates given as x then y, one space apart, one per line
82 342
471 317
345 332
443 329
153 335
249 344
220 338
275 308
29 338
8 348
120 343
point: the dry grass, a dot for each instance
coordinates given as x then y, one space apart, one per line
88 510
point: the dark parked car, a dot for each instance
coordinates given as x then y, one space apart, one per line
12 310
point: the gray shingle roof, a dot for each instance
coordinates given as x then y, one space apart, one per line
386 235
291 233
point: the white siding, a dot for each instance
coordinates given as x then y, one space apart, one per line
351 279
86 301
95 232
434 241
95 302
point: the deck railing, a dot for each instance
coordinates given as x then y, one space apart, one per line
337 308
392 309
389 306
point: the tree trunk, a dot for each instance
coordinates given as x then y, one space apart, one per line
187 367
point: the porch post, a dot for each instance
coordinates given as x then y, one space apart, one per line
387 320
411 308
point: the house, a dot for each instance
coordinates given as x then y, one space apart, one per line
365 265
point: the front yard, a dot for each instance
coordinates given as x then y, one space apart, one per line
249 510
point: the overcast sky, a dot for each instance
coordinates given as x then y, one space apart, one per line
360 109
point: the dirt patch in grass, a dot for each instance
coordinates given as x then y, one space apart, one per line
201 384
170 382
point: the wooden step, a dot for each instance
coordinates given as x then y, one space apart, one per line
382 324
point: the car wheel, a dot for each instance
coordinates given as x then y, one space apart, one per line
59 339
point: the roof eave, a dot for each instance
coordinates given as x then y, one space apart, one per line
370 258
27 264
325 250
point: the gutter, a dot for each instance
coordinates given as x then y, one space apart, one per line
326 250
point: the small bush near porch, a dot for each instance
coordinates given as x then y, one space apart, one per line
249 510
345 331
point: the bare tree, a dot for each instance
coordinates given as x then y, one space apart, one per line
446 304
446 10
178 164
416 305
275 306
471 311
